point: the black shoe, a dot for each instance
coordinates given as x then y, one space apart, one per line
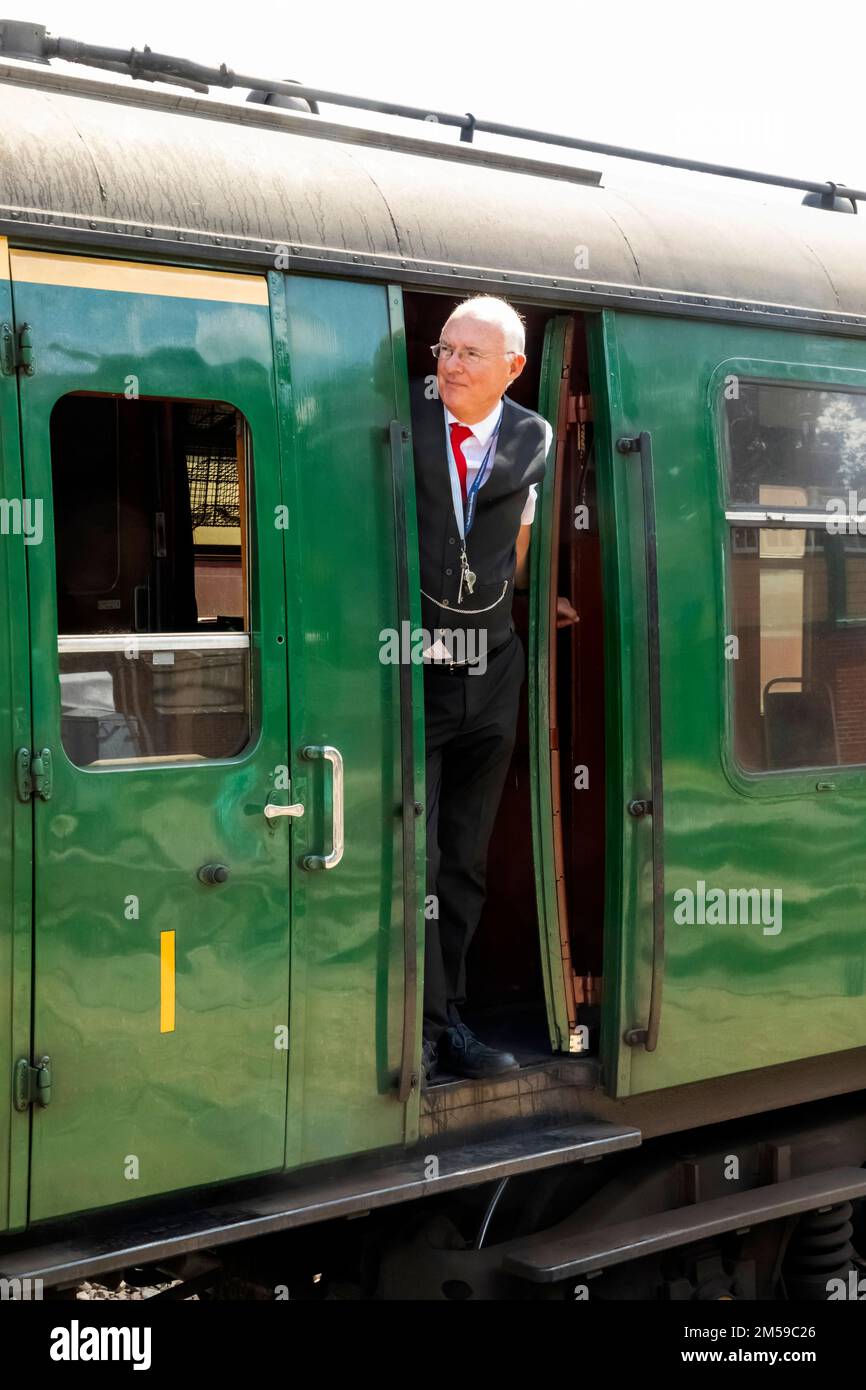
428 1062
463 1054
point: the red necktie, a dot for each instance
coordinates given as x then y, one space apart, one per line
459 433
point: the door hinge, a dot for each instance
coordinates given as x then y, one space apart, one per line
34 774
32 1085
7 349
16 350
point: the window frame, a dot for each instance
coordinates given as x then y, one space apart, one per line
779 783
182 640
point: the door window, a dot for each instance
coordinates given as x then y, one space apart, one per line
152 558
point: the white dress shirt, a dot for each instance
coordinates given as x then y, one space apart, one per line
475 447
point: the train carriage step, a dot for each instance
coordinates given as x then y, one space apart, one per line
85 1247
566 1250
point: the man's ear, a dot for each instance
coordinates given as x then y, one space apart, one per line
518 362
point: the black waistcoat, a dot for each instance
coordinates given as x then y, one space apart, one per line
491 545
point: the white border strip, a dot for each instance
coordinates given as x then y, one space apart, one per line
744 518
155 642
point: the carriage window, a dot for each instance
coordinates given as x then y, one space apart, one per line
796 437
151 531
797 592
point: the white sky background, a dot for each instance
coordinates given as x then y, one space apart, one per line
769 86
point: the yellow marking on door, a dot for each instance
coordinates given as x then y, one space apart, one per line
136 277
166 982
4 258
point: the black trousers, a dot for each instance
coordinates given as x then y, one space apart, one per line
471 725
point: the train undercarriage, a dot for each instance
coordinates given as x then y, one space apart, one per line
766 1208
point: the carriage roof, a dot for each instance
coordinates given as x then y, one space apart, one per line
90 157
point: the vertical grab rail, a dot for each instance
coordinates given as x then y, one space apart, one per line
408 1077
335 854
648 1037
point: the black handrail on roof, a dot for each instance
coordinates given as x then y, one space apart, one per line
31 43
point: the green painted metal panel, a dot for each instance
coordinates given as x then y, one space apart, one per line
207 1101
735 998
542 551
626 733
343 381
19 529
413 739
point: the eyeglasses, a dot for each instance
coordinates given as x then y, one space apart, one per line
468 355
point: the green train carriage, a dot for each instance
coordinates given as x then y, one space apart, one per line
213 865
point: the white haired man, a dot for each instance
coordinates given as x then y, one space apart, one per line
478 460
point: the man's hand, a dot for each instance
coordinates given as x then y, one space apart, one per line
521 573
565 614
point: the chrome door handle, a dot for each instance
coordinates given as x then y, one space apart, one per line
271 812
331 755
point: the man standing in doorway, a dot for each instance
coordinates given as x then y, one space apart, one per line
478 460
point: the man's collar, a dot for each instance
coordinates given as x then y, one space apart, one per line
482 429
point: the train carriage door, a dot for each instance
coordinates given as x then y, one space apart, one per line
19 526
541 681
635 944
735 464
357 724
160 728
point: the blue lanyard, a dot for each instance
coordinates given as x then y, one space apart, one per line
465 527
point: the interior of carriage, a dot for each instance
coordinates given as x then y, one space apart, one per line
505 988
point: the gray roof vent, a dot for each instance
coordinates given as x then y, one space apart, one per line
832 200
287 103
22 40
